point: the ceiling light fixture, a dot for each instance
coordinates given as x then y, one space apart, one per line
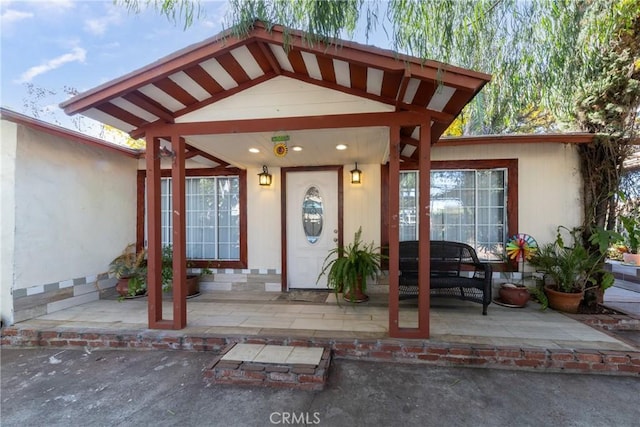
341 147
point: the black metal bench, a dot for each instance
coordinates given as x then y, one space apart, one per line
455 272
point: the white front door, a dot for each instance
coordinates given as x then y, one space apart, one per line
312 225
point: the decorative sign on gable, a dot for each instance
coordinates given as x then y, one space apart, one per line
280 148
280 138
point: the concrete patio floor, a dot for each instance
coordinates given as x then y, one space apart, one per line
317 315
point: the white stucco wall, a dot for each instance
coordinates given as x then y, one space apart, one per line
263 221
8 136
549 183
295 98
75 208
362 204
361 208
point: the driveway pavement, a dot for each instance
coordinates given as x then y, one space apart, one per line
54 387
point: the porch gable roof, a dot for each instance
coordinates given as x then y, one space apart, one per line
224 65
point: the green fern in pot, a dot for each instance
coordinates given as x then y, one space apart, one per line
348 267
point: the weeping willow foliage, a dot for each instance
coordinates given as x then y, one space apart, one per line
522 44
573 63
176 11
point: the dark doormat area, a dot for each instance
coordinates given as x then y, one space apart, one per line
305 296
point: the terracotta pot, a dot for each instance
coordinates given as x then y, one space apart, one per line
193 286
122 287
563 301
631 259
518 295
356 295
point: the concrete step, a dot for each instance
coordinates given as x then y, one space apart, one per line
624 272
627 285
281 366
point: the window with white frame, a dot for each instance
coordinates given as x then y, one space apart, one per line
212 217
467 206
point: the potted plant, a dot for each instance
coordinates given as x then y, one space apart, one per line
348 268
570 270
631 226
130 267
193 280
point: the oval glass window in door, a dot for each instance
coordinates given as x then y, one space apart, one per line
312 214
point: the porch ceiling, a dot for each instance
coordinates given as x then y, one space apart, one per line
199 77
318 147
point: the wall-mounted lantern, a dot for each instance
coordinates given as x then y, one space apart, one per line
264 178
356 175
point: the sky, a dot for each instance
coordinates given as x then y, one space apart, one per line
81 44
52 44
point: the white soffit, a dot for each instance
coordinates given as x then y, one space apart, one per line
188 84
343 75
410 93
441 98
162 97
281 57
374 80
108 119
247 62
311 62
134 109
218 73
408 150
204 161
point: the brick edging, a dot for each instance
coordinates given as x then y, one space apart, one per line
609 322
389 350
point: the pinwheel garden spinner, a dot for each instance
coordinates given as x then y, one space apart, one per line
521 247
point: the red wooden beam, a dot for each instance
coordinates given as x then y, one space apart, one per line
146 103
333 121
368 56
264 60
266 50
403 88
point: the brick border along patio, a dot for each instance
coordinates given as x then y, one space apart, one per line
403 351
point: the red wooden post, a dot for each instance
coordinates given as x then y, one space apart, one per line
179 233
394 234
424 167
424 232
154 254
